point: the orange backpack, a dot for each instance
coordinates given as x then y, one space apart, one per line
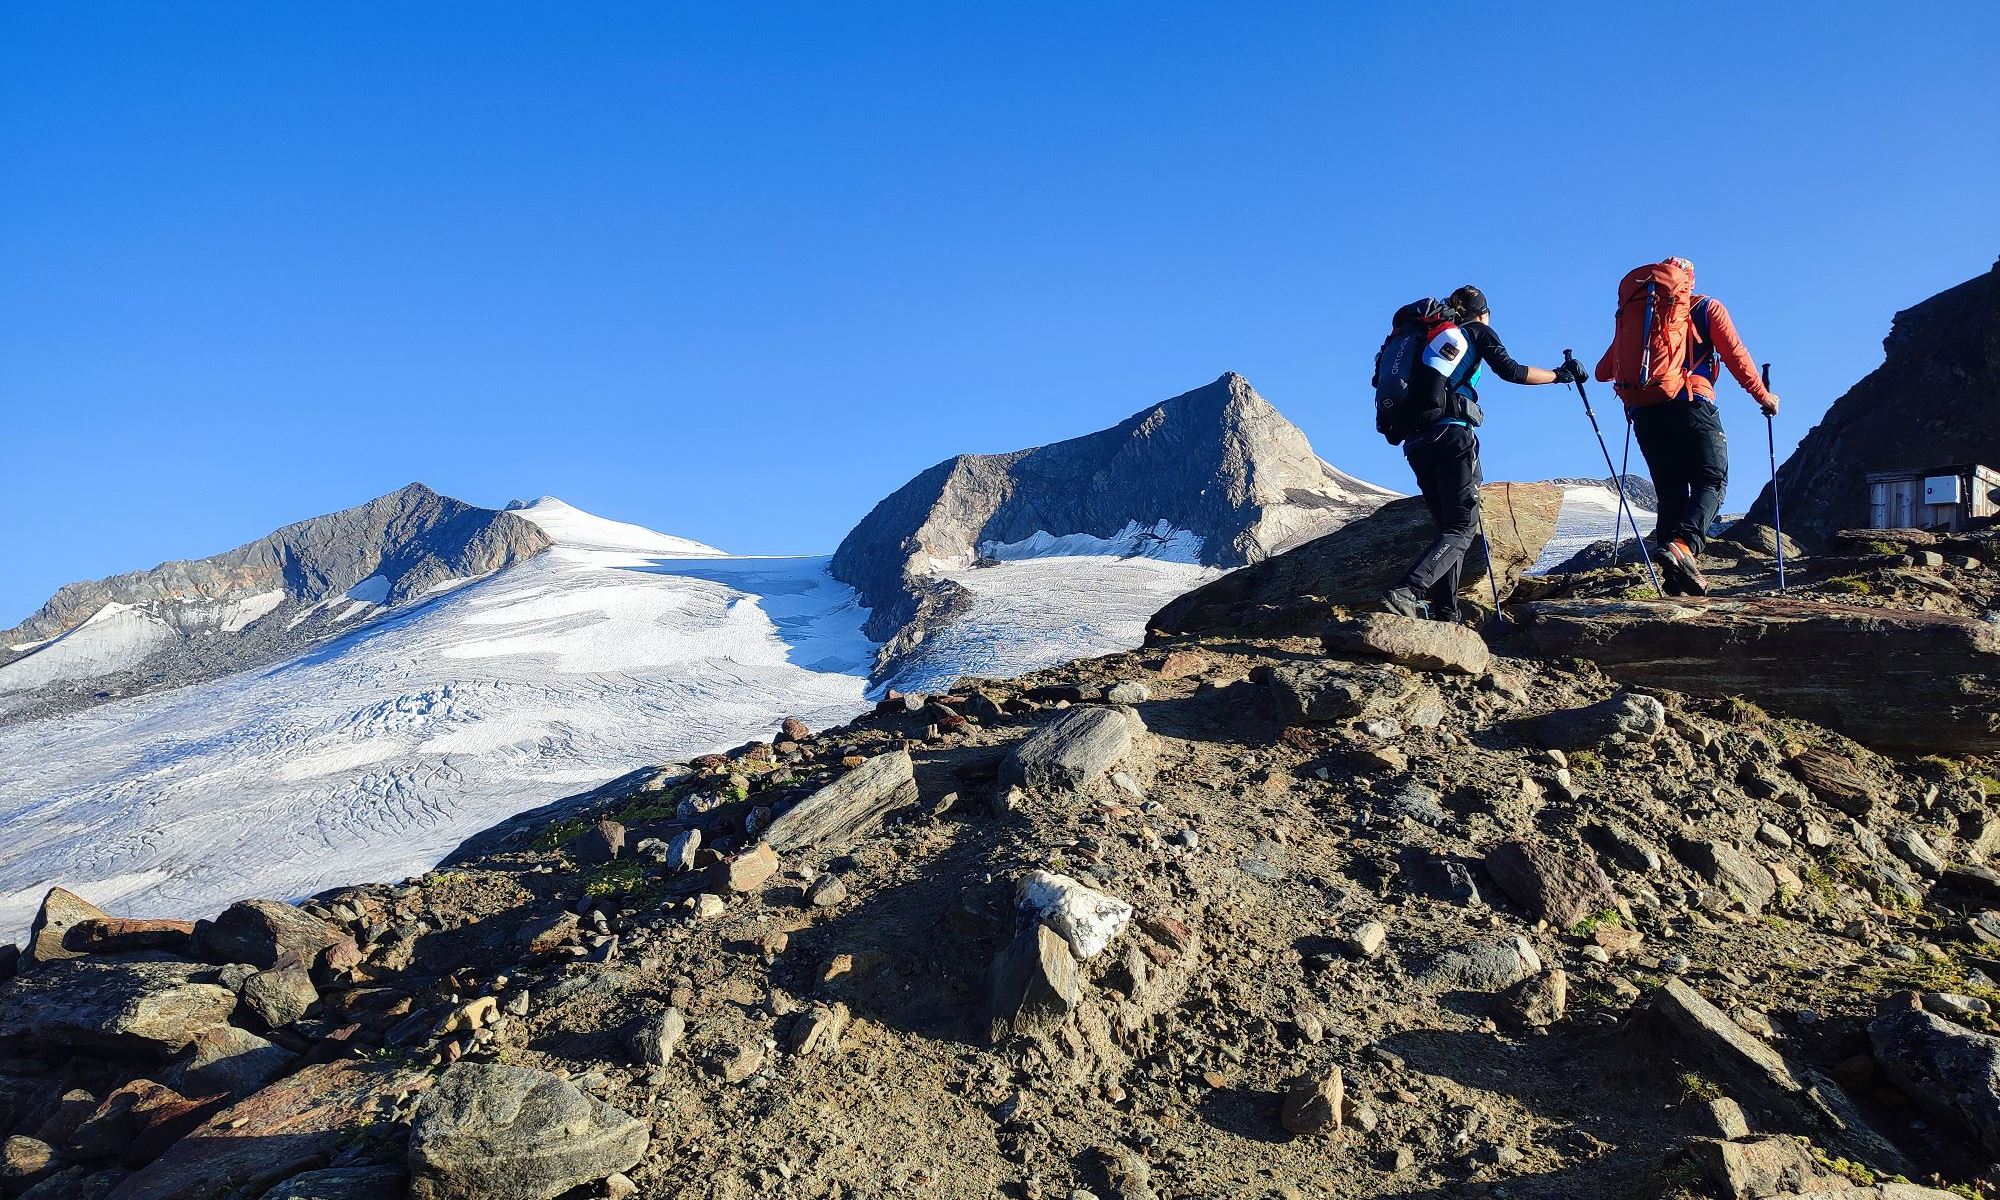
1651 348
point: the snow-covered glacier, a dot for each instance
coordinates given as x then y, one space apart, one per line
373 755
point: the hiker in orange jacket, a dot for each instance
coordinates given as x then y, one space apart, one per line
1680 432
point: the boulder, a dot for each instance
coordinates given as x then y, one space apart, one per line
1356 563
76 1183
488 1131
280 995
225 1060
1756 1168
137 1122
655 1038
1315 693
1743 877
1075 749
745 872
382 1181
818 1030
601 843
1424 645
1890 679
1628 714
260 932
1763 539
115 1005
1538 1000
1552 881
1835 778
847 807
1948 1070
548 933
1487 965
129 935
61 910
294 1125
1313 1102
1034 983
1084 917
24 1160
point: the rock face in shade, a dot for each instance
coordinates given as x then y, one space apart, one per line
1889 679
182 622
1218 462
1355 564
1934 401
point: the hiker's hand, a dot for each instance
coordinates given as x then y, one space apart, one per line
1570 372
1769 404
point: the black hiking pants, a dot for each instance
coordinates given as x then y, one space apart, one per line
1446 462
1688 457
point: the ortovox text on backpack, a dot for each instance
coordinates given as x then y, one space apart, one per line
1413 328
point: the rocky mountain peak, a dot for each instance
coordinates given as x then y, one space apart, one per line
1217 464
191 619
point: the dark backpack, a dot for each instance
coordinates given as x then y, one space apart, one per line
1412 328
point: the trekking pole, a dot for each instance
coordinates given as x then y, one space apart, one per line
1625 510
1492 581
1624 465
1777 517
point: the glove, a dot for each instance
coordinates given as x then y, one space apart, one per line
1769 404
1570 372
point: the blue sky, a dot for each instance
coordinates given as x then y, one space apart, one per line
737 271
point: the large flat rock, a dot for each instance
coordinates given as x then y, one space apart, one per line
1078 746
1356 563
489 1131
119 1006
291 1126
1893 680
850 805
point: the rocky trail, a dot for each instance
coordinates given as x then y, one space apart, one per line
1300 903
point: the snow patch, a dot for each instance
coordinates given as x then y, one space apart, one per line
1031 613
372 590
1159 540
570 526
1588 514
238 615
114 638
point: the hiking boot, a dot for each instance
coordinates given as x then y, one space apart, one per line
1404 603
1681 567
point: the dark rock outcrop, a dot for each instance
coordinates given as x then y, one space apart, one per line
1358 562
1218 461
1893 680
1934 401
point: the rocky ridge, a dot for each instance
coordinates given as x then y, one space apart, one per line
1352 907
182 622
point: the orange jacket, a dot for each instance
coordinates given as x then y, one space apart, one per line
1724 345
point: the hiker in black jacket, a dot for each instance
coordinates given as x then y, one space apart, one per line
1445 454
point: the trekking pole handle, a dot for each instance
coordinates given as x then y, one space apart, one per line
1569 359
1767 377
